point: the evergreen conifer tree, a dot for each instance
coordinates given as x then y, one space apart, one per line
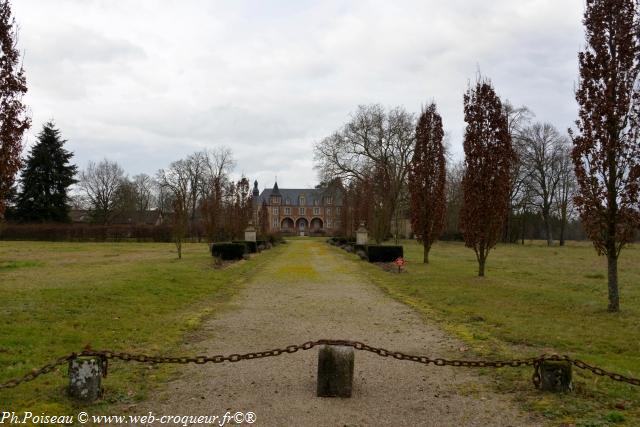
45 179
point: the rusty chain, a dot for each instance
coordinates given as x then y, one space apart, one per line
107 355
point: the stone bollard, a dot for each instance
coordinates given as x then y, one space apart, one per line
335 371
85 377
555 375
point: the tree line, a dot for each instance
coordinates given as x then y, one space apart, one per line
390 164
195 195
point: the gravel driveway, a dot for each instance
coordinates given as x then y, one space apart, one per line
314 291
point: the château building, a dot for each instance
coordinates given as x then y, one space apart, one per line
299 211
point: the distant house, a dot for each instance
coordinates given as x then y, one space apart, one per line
300 210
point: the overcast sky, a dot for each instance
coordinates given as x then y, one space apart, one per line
146 82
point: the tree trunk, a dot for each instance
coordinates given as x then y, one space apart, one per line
563 223
426 247
547 226
614 296
481 254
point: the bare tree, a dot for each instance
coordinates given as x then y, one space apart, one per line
541 154
218 163
177 181
565 190
99 184
144 186
14 121
606 151
195 165
454 175
373 142
517 120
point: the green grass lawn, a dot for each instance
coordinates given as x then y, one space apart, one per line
535 300
57 297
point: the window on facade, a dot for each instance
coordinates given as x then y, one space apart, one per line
275 200
328 200
276 211
287 211
328 223
316 211
275 223
302 201
302 211
316 202
328 211
337 211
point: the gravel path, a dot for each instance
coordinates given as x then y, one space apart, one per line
313 291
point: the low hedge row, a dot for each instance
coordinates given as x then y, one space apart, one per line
373 253
381 253
228 251
250 247
237 249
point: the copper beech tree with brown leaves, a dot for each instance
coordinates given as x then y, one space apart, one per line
427 178
606 150
14 121
486 180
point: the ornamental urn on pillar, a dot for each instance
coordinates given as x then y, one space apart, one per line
250 232
362 235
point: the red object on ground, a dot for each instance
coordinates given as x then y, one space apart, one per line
400 262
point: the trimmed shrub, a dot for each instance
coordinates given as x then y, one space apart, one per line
250 247
228 250
362 248
381 253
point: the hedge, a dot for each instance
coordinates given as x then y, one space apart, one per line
86 232
382 253
362 248
250 247
228 250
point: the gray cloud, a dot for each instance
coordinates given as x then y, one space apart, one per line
146 83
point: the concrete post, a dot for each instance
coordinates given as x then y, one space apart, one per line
362 235
335 371
85 376
555 375
250 232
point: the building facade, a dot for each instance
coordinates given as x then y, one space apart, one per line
305 211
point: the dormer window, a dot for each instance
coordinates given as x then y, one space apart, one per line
328 200
302 201
275 200
287 201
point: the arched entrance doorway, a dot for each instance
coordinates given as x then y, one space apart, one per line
287 224
316 224
302 224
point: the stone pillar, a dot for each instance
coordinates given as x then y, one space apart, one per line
85 376
555 375
250 232
335 371
362 235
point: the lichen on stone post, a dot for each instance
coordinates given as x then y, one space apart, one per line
85 378
555 376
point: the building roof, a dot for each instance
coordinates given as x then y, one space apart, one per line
292 194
